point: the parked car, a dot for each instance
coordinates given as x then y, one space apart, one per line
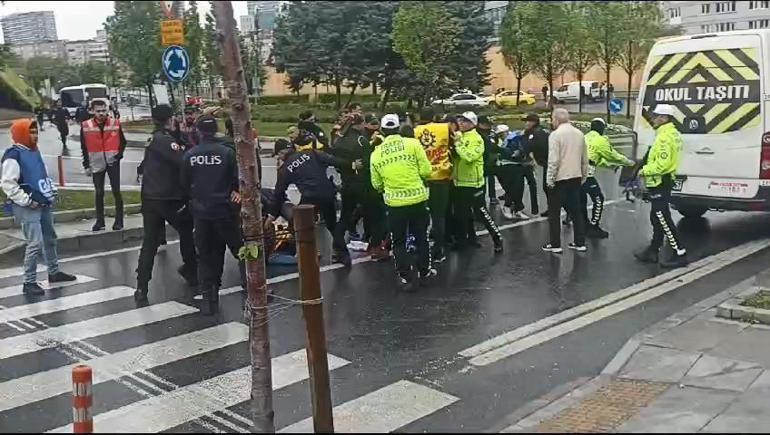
470 100
508 98
569 92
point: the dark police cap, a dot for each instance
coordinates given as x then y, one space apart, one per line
162 112
207 124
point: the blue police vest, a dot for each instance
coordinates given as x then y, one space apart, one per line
34 178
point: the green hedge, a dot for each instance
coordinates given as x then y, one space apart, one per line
17 92
325 113
362 99
283 99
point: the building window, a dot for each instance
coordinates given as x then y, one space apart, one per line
725 7
705 8
725 27
759 24
757 4
675 12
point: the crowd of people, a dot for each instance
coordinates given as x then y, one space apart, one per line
419 184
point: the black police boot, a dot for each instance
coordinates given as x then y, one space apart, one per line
342 256
98 226
140 295
675 261
208 304
498 245
647 255
595 232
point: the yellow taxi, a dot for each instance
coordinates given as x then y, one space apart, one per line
508 98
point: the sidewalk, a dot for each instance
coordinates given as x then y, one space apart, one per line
692 372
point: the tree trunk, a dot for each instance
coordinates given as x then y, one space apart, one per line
518 90
149 95
374 88
580 91
385 98
251 218
630 73
352 92
338 90
607 93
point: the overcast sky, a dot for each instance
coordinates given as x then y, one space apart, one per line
81 19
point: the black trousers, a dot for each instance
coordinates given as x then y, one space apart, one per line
64 131
512 179
412 219
155 214
212 236
469 202
329 213
529 176
662 224
491 187
566 193
113 172
375 220
592 189
438 203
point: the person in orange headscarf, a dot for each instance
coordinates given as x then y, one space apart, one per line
31 195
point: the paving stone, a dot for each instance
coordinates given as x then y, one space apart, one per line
722 374
697 335
750 345
659 364
749 414
679 410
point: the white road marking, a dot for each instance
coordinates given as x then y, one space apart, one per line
43 385
722 260
384 410
57 336
65 303
163 412
16 290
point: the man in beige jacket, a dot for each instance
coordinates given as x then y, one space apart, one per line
566 172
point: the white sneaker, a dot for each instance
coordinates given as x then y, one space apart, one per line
550 248
521 215
507 213
581 248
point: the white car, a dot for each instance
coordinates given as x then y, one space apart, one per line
470 100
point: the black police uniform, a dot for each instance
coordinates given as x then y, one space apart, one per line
164 200
210 173
307 170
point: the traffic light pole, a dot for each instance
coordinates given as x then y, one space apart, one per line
251 218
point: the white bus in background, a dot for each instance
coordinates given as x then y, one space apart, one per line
73 97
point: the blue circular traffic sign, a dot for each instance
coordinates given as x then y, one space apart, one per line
176 63
616 105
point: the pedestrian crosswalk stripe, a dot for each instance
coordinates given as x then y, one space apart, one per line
384 410
16 290
194 401
43 385
65 303
53 337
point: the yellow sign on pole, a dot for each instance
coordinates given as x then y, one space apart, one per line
171 32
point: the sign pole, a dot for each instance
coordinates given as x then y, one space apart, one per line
251 219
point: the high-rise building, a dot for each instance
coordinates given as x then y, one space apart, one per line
720 16
87 50
56 49
247 24
29 27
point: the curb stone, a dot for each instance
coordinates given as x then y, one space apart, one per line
532 413
7 223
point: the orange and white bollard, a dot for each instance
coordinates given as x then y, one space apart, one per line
82 399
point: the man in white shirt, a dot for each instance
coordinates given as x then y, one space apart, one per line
567 170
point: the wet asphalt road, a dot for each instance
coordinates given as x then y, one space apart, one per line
386 336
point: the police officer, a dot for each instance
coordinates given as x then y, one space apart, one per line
307 170
659 171
210 175
601 154
164 200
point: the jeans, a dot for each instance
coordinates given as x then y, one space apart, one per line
112 171
411 219
37 226
566 193
438 203
155 214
